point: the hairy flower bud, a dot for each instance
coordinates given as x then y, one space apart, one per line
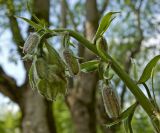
71 62
31 43
111 101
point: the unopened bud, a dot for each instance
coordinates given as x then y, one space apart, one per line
111 101
71 62
31 43
102 44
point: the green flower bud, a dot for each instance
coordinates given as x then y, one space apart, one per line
102 44
31 43
111 101
71 61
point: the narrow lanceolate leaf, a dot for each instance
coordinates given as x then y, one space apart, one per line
127 124
41 68
125 114
31 43
42 85
148 70
33 24
104 24
111 102
128 120
89 66
71 61
31 77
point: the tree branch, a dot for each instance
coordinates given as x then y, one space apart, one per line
9 88
17 37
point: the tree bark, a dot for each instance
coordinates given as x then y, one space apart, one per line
35 113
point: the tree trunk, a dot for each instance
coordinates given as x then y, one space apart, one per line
36 119
81 100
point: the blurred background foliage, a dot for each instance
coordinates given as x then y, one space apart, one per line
134 34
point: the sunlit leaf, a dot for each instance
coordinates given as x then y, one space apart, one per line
89 66
104 24
148 70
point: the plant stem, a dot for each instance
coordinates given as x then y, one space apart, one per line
132 86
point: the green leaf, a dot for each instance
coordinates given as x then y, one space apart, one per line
127 122
122 116
31 76
36 26
148 70
89 66
104 24
53 57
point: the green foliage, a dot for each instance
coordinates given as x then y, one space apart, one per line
10 122
47 73
140 122
89 66
124 115
104 24
148 70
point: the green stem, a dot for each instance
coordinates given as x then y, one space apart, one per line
136 91
148 93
